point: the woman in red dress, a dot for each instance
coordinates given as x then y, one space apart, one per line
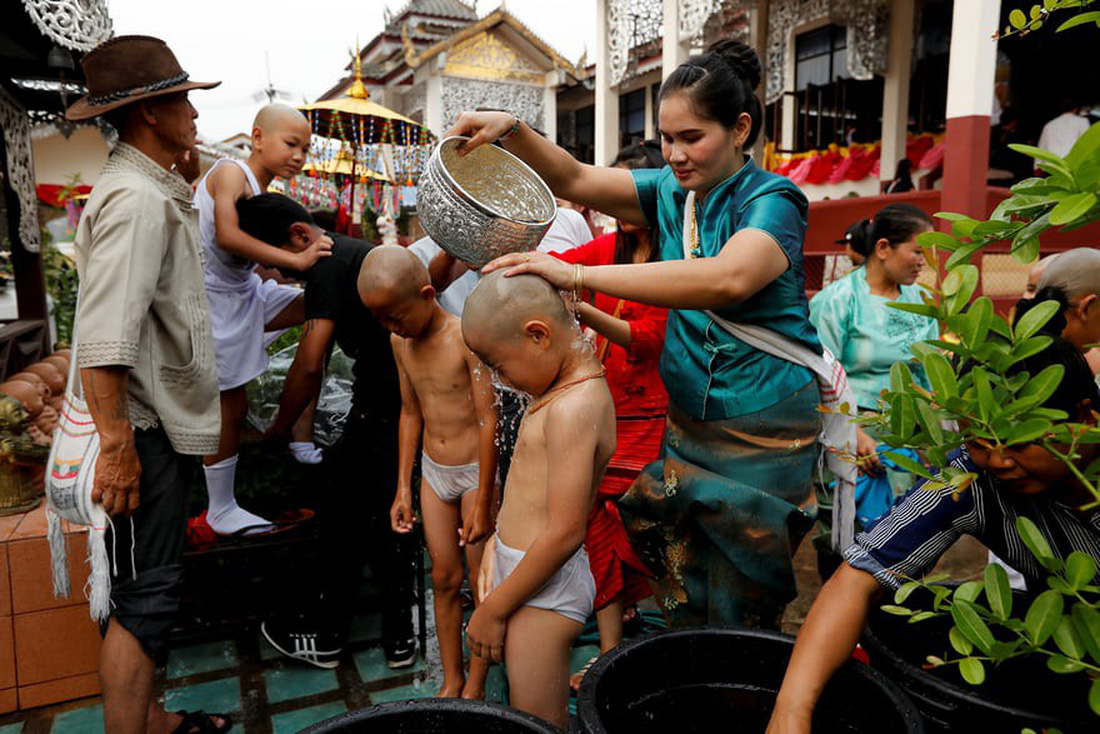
629 343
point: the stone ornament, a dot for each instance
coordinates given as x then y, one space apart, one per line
80 25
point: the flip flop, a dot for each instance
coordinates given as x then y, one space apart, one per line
286 521
200 722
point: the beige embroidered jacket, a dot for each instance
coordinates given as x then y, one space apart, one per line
143 303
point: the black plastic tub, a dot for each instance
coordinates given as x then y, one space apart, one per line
1019 693
707 680
435 715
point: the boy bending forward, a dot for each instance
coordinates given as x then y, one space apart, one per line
540 588
447 394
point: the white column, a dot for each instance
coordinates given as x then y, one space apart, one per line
550 106
973 60
433 103
758 35
895 98
650 113
607 101
673 51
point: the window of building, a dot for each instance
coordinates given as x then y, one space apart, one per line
821 57
631 117
586 134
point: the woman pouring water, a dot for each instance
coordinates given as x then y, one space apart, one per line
721 514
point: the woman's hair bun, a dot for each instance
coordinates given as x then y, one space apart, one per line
741 57
1057 323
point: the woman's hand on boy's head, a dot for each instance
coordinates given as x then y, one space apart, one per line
318 248
557 272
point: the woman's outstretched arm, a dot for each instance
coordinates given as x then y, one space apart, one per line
610 190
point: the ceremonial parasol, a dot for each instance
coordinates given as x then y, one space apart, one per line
358 122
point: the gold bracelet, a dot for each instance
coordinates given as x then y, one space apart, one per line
580 279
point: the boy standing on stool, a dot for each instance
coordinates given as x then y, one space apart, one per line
446 395
247 313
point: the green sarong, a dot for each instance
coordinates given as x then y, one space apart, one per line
720 515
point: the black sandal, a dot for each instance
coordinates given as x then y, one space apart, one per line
200 722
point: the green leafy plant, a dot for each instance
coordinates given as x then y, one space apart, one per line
62 284
1021 23
1062 623
977 397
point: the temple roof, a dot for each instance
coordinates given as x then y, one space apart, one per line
440 8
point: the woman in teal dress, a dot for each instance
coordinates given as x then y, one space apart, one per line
856 324
721 514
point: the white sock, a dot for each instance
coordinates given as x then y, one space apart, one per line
224 515
305 452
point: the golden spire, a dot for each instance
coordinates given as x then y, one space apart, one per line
358 90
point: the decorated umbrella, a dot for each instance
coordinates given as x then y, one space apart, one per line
357 133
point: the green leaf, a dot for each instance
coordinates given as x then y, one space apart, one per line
1025 249
917 308
968 591
1042 386
981 315
972 670
913 467
1064 665
1085 149
963 254
901 377
904 591
1094 697
997 590
1017 19
942 240
1029 347
1086 620
1028 431
1072 207
1080 569
894 609
986 407
921 616
940 375
1043 616
958 640
1080 19
1034 319
1037 544
971 625
1065 637
957 298
929 421
1038 153
1030 231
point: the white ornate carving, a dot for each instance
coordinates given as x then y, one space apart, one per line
77 24
694 15
415 101
20 169
630 23
522 100
868 34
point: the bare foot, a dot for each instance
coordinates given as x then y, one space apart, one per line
449 690
473 695
575 680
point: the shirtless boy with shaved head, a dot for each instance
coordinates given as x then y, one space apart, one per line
248 313
535 571
446 395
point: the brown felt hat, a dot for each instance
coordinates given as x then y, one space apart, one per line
126 69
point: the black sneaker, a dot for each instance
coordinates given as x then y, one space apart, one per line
303 644
400 653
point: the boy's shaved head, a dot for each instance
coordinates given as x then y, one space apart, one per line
393 272
500 307
273 116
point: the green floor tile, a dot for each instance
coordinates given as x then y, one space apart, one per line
294 721
267 652
579 657
12 728
78 721
372 666
366 626
215 697
202 658
496 685
285 682
419 689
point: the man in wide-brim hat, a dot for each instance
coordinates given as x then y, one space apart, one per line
146 358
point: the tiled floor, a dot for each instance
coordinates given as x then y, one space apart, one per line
265 694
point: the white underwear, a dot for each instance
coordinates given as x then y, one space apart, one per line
450 483
570 592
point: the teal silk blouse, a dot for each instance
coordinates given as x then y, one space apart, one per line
709 373
867 336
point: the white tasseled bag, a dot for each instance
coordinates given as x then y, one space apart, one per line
70 476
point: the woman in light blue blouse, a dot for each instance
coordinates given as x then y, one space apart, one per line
854 321
720 516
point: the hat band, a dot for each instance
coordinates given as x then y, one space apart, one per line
102 99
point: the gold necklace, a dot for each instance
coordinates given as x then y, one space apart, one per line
696 249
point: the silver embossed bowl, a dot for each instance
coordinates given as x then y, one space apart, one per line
482 205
